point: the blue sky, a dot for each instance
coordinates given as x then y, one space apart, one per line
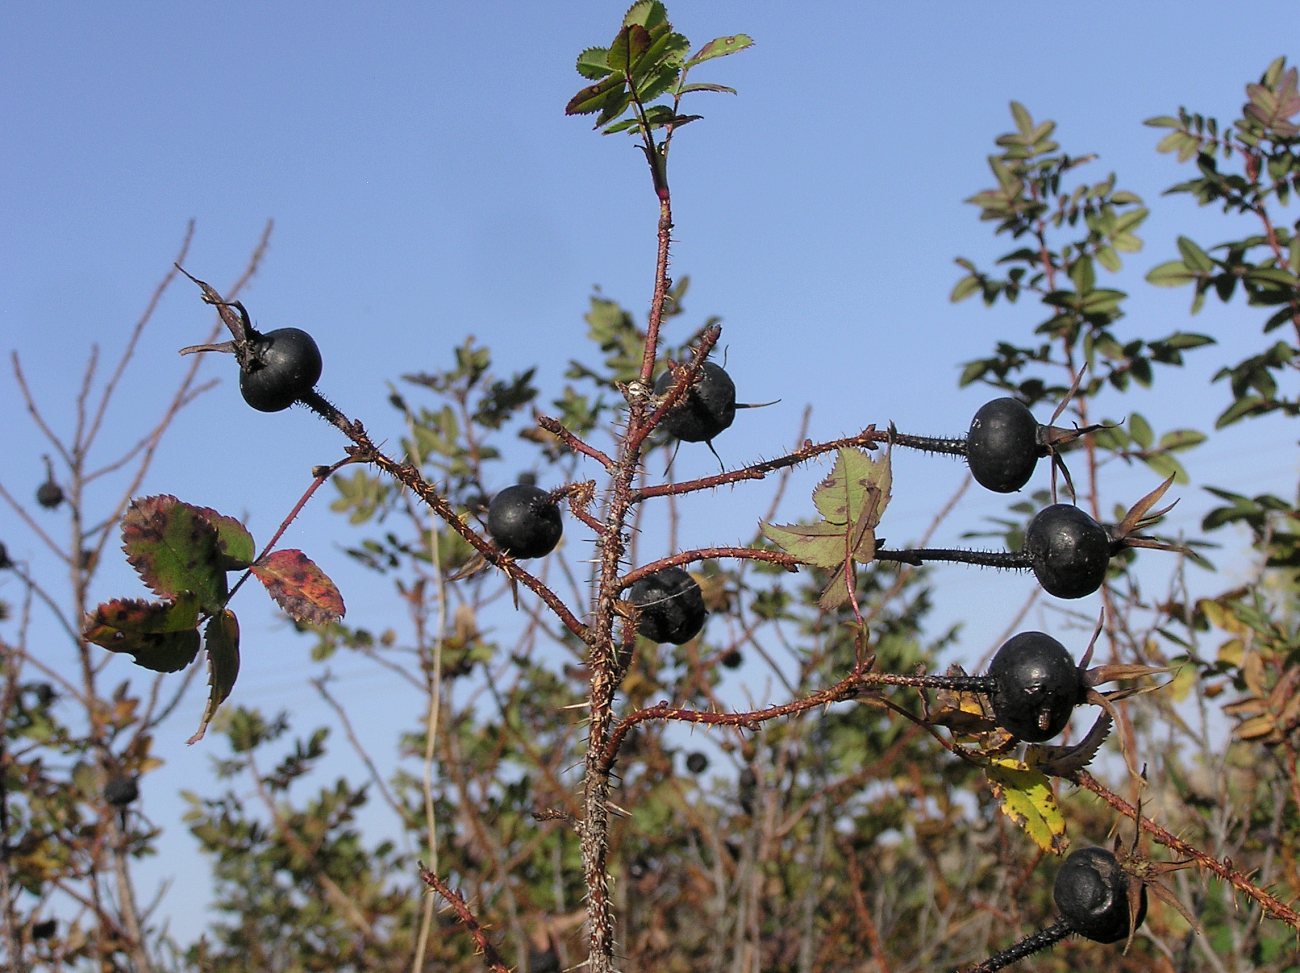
425 185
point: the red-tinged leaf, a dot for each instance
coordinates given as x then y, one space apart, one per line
597 97
174 549
298 586
233 540
159 635
221 639
628 47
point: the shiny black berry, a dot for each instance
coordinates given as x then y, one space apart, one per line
282 366
732 659
1091 893
696 762
1036 686
671 604
121 791
525 521
1068 551
707 408
1003 445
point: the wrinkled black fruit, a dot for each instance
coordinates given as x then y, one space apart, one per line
671 604
525 521
1002 446
49 494
44 929
121 791
1068 550
1091 893
1036 686
732 659
696 762
284 365
707 408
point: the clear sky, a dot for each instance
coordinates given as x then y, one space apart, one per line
425 185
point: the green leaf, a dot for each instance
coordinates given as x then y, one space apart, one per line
720 47
1166 466
593 63
821 544
175 549
299 587
1181 439
233 540
964 288
646 13
1024 121
851 499
161 636
857 489
1194 258
599 97
721 89
628 48
1140 430
221 638
1027 799
1171 273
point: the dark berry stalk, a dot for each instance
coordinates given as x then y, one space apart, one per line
1010 560
950 446
1037 942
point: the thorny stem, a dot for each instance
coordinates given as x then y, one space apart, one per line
1272 906
454 899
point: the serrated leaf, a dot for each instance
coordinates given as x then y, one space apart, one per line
628 48
721 47
159 635
593 63
721 89
646 13
1026 798
174 549
856 489
299 587
598 97
234 541
821 544
221 639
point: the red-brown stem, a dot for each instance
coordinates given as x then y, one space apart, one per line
1272 907
868 438
491 958
557 429
787 561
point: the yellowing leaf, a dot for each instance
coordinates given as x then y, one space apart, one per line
1027 799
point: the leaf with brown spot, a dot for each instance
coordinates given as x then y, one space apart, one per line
233 540
158 635
297 585
221 639
174 549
